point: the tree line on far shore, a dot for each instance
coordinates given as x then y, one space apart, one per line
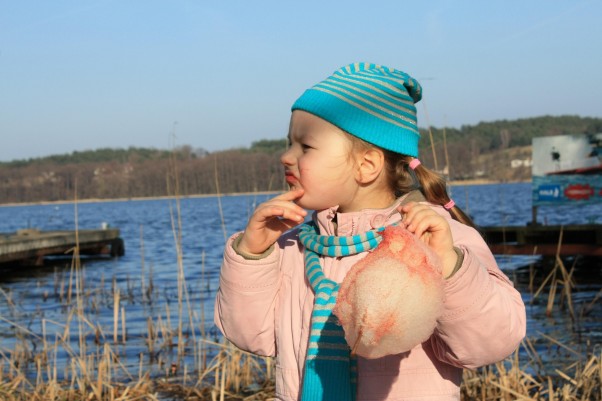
481 151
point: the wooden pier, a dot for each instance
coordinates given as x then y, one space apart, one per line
538 239
31 246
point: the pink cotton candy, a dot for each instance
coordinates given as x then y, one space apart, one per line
389 301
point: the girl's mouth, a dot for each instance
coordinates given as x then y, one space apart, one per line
290 178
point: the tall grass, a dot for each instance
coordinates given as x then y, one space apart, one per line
231 374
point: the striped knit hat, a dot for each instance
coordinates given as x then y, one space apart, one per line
372 102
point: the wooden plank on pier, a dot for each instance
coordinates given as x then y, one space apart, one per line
32 245
583 239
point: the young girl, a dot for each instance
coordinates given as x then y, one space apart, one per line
353 161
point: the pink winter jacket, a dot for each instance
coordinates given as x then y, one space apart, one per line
264 306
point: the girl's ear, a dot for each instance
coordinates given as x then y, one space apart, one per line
370 165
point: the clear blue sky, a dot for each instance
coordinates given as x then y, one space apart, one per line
78 75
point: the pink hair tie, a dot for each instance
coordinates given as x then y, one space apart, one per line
449 204
414 163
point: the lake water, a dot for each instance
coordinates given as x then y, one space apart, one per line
33 300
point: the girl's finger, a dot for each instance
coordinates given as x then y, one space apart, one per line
280 209
293 215
411 208
266 213
416 214
290 195
423 226
284 201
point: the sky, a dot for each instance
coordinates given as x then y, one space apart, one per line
82 75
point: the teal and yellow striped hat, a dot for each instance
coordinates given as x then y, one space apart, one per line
372 102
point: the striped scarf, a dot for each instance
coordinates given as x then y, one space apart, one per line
330 370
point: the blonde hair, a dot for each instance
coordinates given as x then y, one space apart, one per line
401 179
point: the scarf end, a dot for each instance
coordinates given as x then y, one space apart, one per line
329 380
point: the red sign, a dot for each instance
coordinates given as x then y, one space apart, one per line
579 191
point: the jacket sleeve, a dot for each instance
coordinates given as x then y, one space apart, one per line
484 318
246 300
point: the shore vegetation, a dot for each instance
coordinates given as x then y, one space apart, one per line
498 151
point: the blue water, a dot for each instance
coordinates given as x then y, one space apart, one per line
32 299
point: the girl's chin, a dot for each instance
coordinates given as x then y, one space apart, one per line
300 202
306 201
310 205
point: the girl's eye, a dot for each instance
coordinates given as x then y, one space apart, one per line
305 147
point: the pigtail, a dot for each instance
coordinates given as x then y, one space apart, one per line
406 173
434 189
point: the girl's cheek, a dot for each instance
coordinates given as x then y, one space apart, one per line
304 167
305 175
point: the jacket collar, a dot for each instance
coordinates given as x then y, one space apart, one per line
353 223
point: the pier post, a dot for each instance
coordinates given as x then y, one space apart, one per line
533 215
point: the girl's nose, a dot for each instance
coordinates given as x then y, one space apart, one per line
287 158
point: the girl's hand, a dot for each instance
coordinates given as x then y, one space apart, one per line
270 220
433 230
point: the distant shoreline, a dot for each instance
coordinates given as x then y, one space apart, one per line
150 198
140 198
481 181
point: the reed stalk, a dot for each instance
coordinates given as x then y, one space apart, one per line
123 326
446 153
115 315
142 277
219 200
426 114
532 273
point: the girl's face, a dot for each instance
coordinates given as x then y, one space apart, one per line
320 161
